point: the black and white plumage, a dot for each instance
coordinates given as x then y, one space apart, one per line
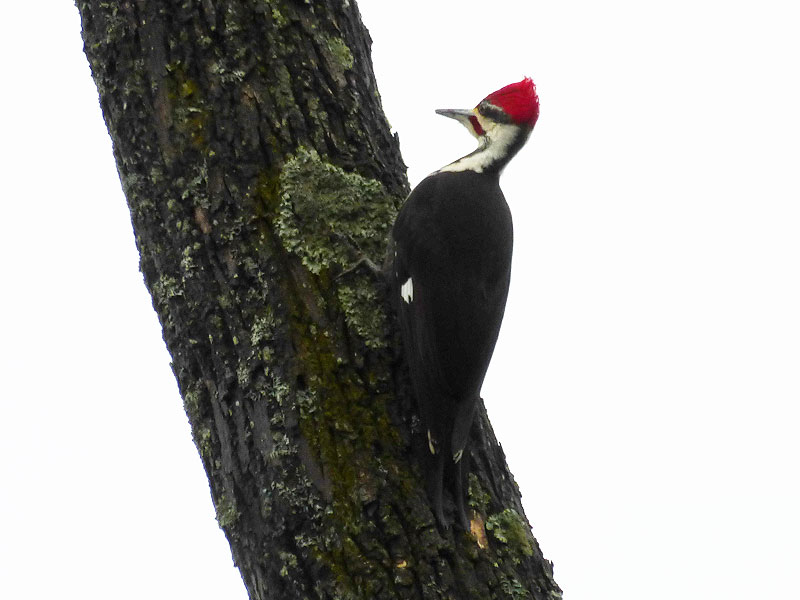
452 246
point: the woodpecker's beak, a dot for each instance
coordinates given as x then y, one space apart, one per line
464 116
459 114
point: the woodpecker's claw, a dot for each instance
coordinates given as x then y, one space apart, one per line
368 264
431 443
361 259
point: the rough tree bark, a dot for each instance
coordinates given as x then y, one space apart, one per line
258 166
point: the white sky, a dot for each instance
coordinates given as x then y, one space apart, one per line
645 387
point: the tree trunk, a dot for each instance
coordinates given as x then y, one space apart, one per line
258 167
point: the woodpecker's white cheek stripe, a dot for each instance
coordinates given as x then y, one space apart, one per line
499 136
407 291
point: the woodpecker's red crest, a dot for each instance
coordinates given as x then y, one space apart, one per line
518 100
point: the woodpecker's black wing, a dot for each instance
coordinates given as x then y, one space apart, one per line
452 242
413 232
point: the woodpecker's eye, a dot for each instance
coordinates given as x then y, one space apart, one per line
476 125
490 111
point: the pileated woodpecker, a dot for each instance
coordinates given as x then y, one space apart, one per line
452 244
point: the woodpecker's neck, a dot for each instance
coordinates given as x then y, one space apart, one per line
496 149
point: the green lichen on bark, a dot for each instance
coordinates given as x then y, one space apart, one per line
363 312
477 497
339 58
330 219
513 589
278 18
327 216
509 528
188 111
227 514
338 48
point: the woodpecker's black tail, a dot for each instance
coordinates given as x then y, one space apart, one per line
462 424
448 464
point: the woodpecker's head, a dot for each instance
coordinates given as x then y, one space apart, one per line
501 122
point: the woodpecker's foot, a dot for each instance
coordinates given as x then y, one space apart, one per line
362 261
367 264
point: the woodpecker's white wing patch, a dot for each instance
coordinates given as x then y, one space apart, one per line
407 291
